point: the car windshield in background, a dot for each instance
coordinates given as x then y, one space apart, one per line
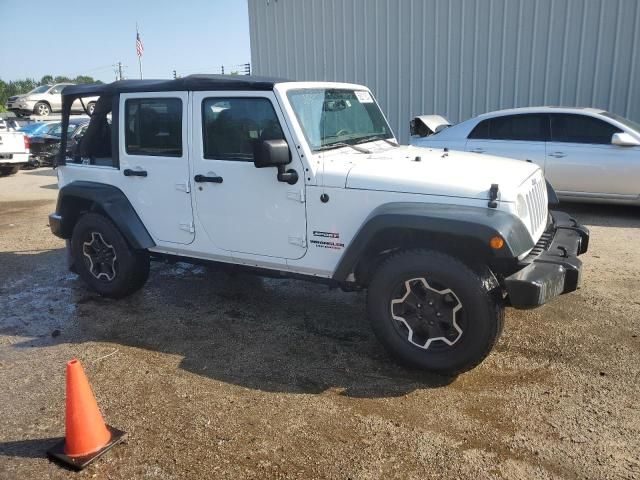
40 89
625 121
331 118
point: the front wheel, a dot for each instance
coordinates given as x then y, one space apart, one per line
104 260
42 109
433 312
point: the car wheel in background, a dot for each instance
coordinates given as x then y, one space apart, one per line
4 171
42 108
91 106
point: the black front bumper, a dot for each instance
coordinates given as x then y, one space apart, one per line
553 267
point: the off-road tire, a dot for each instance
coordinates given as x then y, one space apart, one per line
90 108
482 311
130 266
39 109
6 171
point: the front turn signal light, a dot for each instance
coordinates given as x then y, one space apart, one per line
496 242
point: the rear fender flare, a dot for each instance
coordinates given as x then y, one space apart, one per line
108 199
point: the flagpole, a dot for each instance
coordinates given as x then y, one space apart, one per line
139 56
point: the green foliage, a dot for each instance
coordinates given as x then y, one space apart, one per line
19 87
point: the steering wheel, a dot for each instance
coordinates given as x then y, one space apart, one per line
342 131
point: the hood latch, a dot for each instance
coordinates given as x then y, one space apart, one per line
493 195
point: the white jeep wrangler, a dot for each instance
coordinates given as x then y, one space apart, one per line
307 180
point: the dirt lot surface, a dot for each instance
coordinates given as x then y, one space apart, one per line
218 376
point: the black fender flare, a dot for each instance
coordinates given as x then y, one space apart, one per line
477 224
111 201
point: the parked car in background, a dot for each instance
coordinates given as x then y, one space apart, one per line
36 128
44 100
14 152
587 154
45 145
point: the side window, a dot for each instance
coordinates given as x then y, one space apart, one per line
153 126
526 127
232 127
481 131
572 128
57 89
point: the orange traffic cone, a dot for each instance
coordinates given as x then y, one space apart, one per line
87 436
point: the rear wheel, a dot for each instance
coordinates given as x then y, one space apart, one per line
104 260
433 312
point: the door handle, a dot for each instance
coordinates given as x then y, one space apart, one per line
134 173
204 178
477 150
558 154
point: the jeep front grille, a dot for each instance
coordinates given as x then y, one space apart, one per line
536 200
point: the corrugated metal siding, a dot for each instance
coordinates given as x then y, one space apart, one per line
457 58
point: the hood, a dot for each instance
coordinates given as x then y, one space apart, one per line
452 174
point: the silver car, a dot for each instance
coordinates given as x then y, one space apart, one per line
44 100
587 154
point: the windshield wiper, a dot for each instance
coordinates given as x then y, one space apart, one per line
343 144
377 137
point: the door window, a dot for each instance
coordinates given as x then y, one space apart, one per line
57 89
527 127
233 127
571 128
153 127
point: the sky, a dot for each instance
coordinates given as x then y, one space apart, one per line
86 37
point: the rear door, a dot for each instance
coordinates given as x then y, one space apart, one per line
154 162
520 136
581 158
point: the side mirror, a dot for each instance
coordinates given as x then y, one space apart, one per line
272 153
623 139
275 153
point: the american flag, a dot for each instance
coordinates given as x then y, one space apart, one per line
139 47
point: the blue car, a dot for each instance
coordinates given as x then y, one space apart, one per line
37 129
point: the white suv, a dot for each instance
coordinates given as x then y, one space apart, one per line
306 180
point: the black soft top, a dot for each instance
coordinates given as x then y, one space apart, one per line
188 83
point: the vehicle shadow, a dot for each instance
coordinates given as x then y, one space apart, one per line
624 216
271 335
41 171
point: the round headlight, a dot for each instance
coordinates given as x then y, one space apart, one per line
521 207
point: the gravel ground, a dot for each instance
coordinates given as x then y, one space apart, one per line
222 376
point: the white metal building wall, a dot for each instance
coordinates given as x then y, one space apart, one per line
458 58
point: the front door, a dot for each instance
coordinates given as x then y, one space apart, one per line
154 162
242 208
581 158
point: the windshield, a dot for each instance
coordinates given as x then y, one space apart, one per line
40 89
333 118
625 121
